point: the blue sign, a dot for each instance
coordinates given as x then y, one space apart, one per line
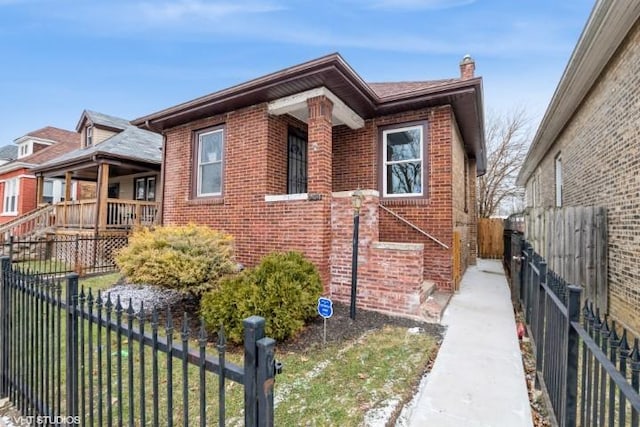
325 307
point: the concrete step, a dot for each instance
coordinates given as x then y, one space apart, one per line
433 307
428 287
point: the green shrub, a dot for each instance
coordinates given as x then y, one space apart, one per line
284 289
189 258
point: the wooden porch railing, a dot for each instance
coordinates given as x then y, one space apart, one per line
38 219
121 214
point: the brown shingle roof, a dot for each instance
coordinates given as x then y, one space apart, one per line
386 89
63 142
56 134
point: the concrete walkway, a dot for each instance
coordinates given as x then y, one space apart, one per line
477 379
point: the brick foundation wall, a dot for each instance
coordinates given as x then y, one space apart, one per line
600 165
390 275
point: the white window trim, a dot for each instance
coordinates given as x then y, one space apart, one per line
385 162
88 137
558 180
15 183
199 193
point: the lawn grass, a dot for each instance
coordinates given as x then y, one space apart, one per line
340 384
337 384
101 282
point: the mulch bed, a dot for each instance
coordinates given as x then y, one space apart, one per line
339 327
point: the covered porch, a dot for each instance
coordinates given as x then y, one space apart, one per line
116 194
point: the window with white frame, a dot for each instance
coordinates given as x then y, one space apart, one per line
88 137
47 191
11 187
403 161
209 162
558 181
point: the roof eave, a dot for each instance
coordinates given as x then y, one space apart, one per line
188 109
608 25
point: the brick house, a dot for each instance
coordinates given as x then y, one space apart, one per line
586 151
275 161
17 182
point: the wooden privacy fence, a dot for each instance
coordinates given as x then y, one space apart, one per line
490 237
573 240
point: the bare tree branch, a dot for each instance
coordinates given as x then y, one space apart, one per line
508 137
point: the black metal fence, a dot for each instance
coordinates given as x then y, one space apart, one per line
62 254
587 368
82 358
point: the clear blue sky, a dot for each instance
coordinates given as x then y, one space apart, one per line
129 58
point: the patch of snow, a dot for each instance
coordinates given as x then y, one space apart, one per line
407 410
378 417
152 296
414 331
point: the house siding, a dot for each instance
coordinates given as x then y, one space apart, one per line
600 149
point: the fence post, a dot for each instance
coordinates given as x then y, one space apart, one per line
76 266
266 379
253 331
11 238
528 280
542 312
72 345
5 345
573 342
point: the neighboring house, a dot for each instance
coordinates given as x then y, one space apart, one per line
8 153
275 161
124 163
586 151
17 182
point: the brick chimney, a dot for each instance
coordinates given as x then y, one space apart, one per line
467 67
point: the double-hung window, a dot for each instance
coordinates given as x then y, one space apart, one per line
11 187
88 137
47 191
403 160
145 188
209 160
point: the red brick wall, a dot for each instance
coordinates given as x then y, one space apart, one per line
356 166
340 159
390 276
26 193
258 227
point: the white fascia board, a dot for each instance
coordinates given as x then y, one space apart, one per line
26 138
9 167
342 113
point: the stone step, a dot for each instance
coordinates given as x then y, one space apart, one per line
433 307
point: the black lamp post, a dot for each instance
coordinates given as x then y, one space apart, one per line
356 201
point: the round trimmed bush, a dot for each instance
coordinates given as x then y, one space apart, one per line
190 258
284 289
